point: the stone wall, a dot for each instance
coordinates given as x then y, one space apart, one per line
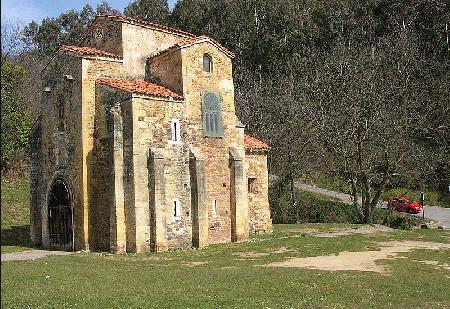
95 197
105 34
60 142
142 42
35 177
165 70
258 211
109 172
214 150
151 133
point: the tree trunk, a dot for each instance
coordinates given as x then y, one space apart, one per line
293 198
366 200
359 213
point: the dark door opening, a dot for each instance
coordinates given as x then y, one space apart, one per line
60 219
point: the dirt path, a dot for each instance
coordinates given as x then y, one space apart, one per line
342 197
30 255
363 260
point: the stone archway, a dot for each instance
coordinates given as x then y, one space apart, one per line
60 217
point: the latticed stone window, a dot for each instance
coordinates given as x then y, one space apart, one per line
212 115
207 63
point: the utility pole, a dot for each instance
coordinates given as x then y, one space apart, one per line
422 199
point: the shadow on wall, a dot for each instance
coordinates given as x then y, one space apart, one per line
16 236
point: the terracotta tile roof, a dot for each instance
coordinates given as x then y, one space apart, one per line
139 86
197 40
89 51
141 22
254 143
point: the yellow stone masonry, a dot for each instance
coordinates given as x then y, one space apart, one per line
128 186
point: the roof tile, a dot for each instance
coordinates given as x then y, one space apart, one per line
139 86
89 51
254 143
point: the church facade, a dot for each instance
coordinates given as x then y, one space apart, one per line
138 146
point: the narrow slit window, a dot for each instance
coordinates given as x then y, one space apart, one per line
175 130
215 209
176 209
252 185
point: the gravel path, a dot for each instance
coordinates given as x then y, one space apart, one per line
342 197
31 255
438 214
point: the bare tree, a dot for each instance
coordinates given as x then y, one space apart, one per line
11 37
370 105
280 110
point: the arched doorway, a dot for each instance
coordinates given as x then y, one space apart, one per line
60 217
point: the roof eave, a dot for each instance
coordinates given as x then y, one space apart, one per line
154 97
252 150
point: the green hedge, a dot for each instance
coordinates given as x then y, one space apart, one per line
315 208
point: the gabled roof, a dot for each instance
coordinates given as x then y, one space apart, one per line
196 40
140 22
139 87
254 143
89 51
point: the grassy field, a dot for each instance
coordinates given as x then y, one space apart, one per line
229 276
15 216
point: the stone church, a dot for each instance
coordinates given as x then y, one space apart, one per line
138 146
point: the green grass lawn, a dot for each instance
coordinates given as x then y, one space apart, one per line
15 216
216 277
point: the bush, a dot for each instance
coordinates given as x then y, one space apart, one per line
315 208
15 118
311 208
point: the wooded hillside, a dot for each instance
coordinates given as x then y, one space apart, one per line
353 89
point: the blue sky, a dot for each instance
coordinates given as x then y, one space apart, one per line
27 10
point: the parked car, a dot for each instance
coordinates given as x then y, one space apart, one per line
403 204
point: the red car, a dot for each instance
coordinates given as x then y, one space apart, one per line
404 204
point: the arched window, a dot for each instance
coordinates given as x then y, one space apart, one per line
207 63
212 115
215 209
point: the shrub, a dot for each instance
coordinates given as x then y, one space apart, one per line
315 208
15 118
311 207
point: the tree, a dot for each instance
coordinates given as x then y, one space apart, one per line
281 110
105 8
11 38
15 118
370 99
67 28
156 11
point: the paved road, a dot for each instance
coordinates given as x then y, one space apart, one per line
30 255
438 214
341 197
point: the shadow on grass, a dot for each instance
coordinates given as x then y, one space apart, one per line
16 236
